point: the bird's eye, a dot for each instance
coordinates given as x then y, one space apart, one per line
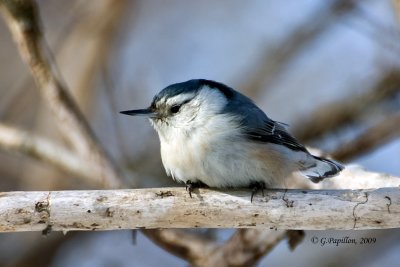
175 108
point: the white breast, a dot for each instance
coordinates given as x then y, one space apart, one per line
219 157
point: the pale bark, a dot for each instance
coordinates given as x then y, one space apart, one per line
173 208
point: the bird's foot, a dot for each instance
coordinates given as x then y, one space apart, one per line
190 186
255 187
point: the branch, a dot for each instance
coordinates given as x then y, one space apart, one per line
372 138
245 248
45 151
185 245
331 116
23 21
173 208
190 247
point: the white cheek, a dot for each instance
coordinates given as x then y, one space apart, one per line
205 106
187 115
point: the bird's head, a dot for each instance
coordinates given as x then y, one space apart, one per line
185 107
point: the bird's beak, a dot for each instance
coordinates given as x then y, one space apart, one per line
140 112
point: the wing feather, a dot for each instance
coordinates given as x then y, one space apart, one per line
273 132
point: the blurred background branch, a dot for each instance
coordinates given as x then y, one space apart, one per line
42 150
333 116
375 136
24 23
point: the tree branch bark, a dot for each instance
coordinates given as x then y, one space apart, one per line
173 208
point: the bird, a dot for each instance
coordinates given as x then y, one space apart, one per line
212 135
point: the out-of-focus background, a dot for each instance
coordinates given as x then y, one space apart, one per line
296 59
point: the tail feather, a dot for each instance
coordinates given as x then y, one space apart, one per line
323 168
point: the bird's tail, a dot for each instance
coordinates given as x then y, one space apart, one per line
322 168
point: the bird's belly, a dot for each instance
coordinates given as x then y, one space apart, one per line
226 163
183 161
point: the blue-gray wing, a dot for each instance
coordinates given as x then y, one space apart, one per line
270 131
258 127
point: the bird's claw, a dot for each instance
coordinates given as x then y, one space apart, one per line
189 187
255 187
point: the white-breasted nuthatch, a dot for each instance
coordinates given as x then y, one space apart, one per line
211 134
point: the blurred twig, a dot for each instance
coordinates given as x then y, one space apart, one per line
245 247
45 151
371 139
188 246
17 95
23 21
334 115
